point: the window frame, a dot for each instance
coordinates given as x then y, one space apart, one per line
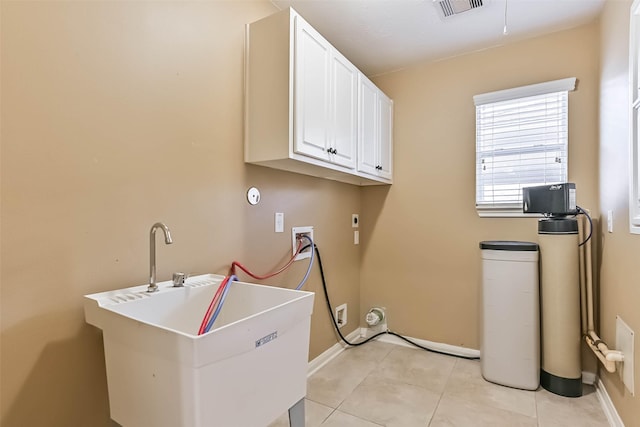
561 85
634 118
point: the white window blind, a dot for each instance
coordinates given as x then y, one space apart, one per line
521 141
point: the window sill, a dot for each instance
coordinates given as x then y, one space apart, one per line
505 213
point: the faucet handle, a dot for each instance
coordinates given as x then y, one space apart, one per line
178 279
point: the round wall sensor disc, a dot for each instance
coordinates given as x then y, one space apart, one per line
253 196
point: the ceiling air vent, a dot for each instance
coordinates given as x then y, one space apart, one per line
453 7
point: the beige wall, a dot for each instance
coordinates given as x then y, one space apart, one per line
116 115
619 285
420 237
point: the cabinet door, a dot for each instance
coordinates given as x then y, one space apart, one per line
385 154
344 111
311 110
368 127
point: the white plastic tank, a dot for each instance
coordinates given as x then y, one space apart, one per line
510 326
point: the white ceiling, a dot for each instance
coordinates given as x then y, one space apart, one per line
380 36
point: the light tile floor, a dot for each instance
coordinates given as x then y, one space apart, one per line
381 384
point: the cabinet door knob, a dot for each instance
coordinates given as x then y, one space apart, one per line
335 151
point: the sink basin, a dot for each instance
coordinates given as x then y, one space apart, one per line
248 370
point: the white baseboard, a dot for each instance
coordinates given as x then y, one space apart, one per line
330 353
607 405
333 351
445 348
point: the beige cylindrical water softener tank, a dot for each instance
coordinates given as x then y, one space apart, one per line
561 371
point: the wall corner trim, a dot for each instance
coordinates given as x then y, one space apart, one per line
607 405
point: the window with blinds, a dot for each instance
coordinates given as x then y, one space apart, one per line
521 141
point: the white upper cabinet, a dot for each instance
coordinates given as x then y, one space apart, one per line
312 92
385 153
344 115
375 131
326 105
368 128
303 112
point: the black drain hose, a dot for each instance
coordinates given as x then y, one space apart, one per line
355 344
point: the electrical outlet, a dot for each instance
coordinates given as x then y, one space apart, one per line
355 220
624 343
341 315
279 222
297 233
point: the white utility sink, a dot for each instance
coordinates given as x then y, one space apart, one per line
249 369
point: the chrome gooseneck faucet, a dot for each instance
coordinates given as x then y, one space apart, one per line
152 252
